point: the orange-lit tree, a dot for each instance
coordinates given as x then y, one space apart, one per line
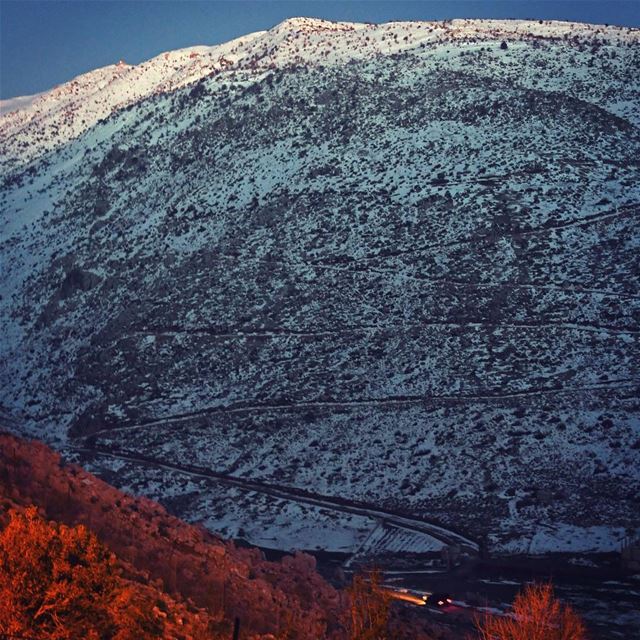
537 615
369 608
54 580
61 583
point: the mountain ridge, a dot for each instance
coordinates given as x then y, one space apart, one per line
192 69
401 274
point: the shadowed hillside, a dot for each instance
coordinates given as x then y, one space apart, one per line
87 550
170 556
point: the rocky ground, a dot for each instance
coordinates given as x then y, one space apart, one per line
218 580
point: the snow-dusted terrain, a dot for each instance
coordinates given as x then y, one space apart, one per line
394 263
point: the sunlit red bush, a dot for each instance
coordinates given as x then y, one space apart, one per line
536 615
61 583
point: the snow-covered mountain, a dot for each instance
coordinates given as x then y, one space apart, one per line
393 263
36 124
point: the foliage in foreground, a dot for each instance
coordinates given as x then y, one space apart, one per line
61 583
537 615
369 608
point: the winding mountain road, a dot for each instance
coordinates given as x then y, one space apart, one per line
386 401
412 523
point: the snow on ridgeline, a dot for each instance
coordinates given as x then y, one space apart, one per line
33 125
424 258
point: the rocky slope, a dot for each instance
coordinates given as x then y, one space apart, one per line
219 580
394 263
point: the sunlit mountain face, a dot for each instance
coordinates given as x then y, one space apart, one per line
393 265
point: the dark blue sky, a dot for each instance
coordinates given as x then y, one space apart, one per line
46 43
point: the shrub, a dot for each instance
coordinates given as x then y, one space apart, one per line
61 583
369 608
536 615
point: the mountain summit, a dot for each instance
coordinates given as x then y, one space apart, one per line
393 265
